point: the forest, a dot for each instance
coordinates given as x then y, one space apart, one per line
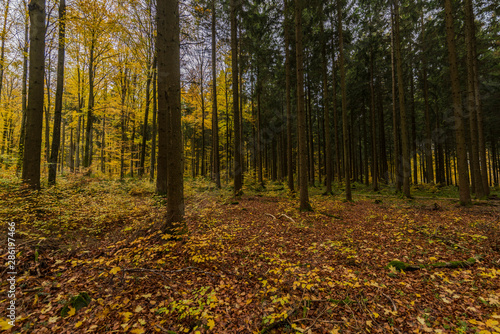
250 166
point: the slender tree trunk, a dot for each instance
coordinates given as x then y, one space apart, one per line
301 115
34 112
406 163
258 135
24 89
238 176
71 151
3 37
87 159
149 78
202 95
56 134
373 124
288 73
428 132
169 104
338 147
463 178
215 120
154 125
345 125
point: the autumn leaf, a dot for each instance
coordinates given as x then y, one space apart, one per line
211 324
71 311
4 324
115 270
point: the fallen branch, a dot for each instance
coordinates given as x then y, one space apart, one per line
283 215
270 215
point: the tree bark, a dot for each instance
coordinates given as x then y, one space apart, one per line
169 103
406 162
34 112
345 124
154 125
238 175
215 120
56 134
463 174
301 115
428 132
288 74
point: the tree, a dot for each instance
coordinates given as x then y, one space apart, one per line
34 111
463 172
288 74
326 109
169 104
402 107
56 135
345 124
301 114
238 169
215 121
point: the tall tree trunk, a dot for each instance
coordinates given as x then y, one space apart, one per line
169 104
34 111
258 135
413 129
345 124
154 125
24 88
428 132
123 122
477 185
463 177
215 120
87 159
373 124
71 151
288 74
406 163
56 134
149 78
3 37
238 175
479 171
202 95
301 115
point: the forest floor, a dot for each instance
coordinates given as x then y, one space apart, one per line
91 258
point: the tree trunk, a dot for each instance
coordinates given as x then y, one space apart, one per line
154 125
258 135
428 132
149 78
56 134
34 111
463 178
169 104
301 115
87 159
373 124
238 176
288 73
406 163
345 124
215 121
24 89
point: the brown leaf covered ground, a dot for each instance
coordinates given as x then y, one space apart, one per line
251 265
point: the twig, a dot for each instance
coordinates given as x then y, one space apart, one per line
162 328
283 215
393 304
270 215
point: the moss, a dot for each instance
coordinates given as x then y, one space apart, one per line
398 265
77 302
